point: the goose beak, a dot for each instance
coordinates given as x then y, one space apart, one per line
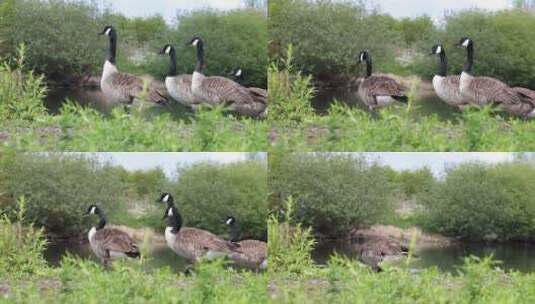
161 52
101 33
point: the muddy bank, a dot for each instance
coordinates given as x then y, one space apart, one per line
404 236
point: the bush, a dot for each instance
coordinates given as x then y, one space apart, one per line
58 189
483 202
21 93
22 247
333 193
328 35
206 193
290 93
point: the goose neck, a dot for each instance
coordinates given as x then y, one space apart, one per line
112 49
369 67
469 58
101 222
172 69
235 232
443 69
175 221
200 57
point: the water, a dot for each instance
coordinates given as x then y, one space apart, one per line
160 256
85 96
426 101
514 256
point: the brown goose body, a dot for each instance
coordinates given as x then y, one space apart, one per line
194 244
251 254
380 91
373 252
219 90
109 243
377 91
123 88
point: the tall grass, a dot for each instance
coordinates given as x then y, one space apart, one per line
21 246
289 247
21 93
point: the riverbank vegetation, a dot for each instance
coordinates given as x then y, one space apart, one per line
336 193
295 126
47 51
58 188
294 278
317 42
26 277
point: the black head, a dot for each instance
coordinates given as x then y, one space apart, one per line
363 56
93 209
230 221
195 41
108 31
165 198
465 42
167 49
437 49
237 72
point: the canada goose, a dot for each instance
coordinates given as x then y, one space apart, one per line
447 87
178 86
237 75
220 90
192 243
122 87
108 243
378 91
485 90
373 252
253 253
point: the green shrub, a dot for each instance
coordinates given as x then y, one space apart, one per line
328 35
207 192
333 193
21 93
290 93
290 247
58 189
477 201
21 246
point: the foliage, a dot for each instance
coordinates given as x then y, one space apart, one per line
333 193
477 201
289 246
62 39
328 35
21 93
352 129
289 92
207 193
21 247
57 189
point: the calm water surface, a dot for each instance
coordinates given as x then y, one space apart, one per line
513 256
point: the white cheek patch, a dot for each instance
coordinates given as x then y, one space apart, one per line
238 73
195 42
466 42
168 50
229 221
170 212
93 210
108 31
362 57
439 49
165 198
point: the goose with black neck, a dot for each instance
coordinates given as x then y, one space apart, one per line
216 90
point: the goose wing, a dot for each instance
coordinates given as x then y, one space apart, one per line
221 89
526 94
113 239
260 94
131 87
493 90
383 86
198 240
